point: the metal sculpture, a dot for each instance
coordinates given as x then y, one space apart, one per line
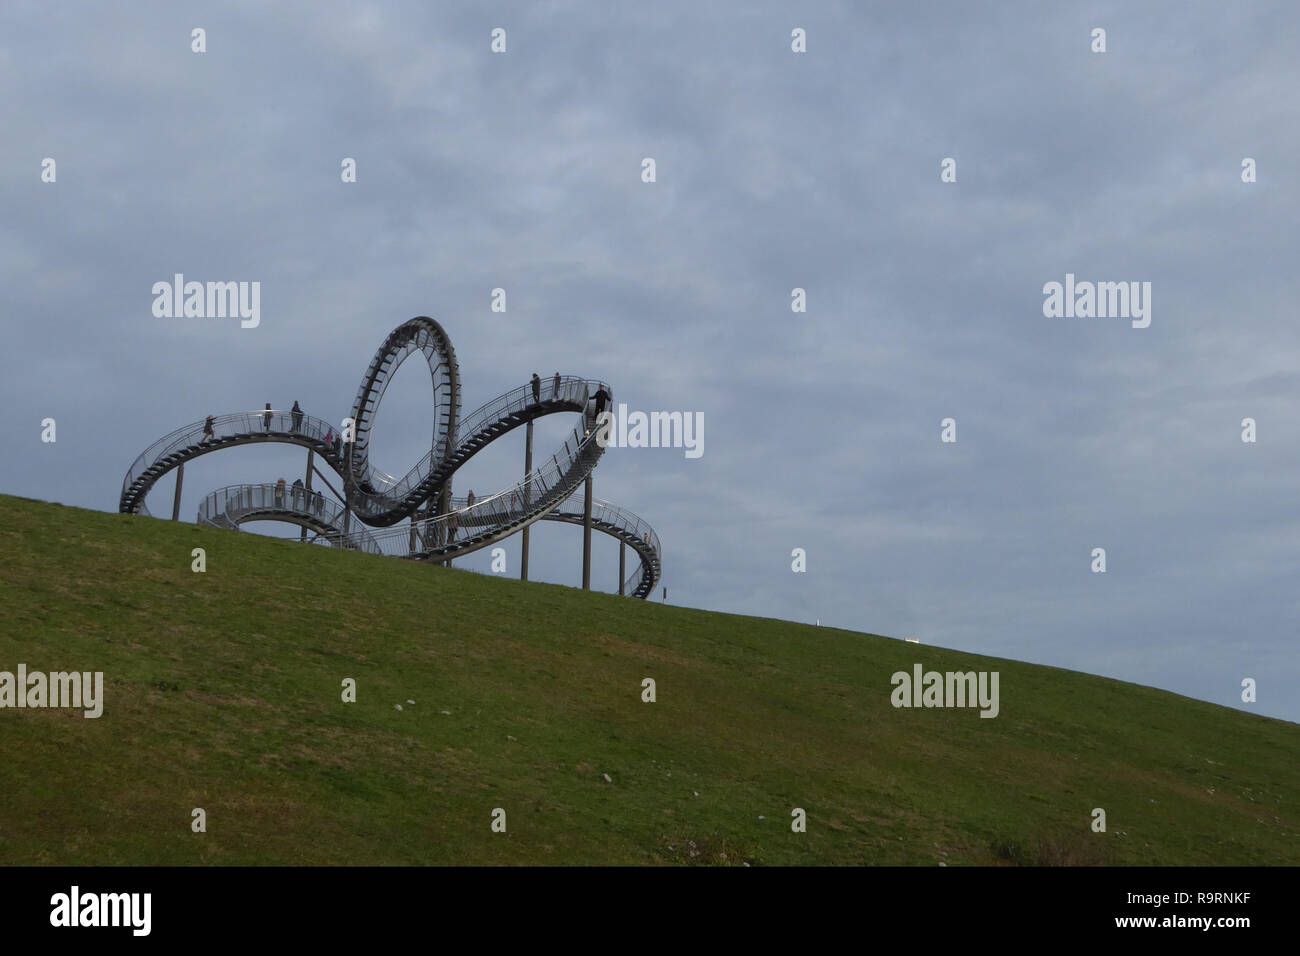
441 527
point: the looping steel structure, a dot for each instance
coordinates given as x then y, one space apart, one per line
441 527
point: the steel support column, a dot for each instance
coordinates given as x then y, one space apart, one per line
176 502
528 469
586 536
311 459
347 493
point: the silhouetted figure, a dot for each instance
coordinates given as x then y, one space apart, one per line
469 501
317 502
207 429
266 419
602 399
555 386
537 388
299 493
297 416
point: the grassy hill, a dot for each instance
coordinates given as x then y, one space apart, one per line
222 691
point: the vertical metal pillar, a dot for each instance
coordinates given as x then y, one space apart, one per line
622 565
447 563
586 536
176 503
443 506
311 458
528 469
347 493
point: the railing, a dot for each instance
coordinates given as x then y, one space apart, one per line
389 491
377 498
495 516
620 519
227 507
572 390
238 425
498 514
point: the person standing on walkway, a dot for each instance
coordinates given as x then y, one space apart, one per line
537 388
297 416
299 494
469 501
207 430
555 386
279 493
266 419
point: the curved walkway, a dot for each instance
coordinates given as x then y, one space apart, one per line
441 527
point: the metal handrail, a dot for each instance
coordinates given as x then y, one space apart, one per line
227 507
502 513
634 527
245 424
385 498
573 390
528 499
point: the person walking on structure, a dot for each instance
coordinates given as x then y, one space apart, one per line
317 502
537 388
555 386
299 493
279 493
207 430
297 416
602 400
266 419
469 501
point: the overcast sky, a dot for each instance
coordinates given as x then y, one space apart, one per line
774 170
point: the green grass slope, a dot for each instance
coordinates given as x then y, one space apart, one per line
223 691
